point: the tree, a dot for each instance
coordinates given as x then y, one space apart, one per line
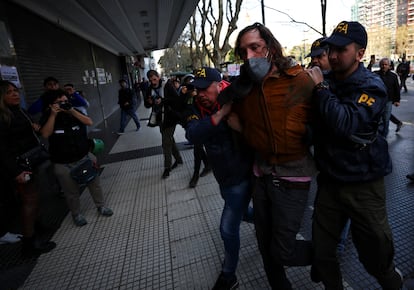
298 53
401 40
210 29
379 41
177 58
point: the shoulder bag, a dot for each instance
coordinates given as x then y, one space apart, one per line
84 171
29 160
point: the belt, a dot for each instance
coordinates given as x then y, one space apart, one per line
290 184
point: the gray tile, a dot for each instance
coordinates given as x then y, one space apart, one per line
187 227
198 275
183 209
192 250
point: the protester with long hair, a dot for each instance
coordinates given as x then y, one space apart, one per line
18 135
273 116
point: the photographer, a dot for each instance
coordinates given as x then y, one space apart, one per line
163 97
65 128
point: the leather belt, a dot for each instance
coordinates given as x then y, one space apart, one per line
290 184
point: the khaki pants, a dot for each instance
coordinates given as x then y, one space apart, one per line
72 189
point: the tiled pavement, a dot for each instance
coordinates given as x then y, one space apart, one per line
164 235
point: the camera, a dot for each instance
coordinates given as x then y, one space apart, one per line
65 106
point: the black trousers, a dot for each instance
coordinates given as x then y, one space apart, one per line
199 155
364 204
278 212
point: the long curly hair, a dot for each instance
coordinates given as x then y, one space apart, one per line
275 48
5 113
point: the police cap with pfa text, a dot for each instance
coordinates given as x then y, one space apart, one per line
205 76
347 32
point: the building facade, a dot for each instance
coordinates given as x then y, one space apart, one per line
390 27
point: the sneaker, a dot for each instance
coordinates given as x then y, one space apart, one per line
120 133
410 176
79 220
399 126
105 211
226 283
10 238
166 173
205 171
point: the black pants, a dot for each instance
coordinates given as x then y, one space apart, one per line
395 120
364 204
402 84
278 213
199 155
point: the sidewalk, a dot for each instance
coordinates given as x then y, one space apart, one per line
165 235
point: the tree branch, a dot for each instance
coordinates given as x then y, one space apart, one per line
293 20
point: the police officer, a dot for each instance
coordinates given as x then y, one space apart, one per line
352 159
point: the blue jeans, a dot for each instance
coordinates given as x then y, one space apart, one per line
344 236
132 114
385 119
236 201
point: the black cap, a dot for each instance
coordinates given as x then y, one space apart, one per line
49 79
346 33
204 76
317 48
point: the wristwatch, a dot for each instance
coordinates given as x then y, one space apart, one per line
322 86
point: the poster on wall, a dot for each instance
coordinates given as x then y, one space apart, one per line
101 76
9 73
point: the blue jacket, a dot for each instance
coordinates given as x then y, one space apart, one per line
38 106
230 158
347 145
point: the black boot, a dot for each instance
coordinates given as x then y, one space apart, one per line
205 171
194 180
33 247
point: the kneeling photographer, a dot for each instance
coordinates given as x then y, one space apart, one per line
73 164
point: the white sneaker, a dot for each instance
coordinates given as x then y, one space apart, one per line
10 238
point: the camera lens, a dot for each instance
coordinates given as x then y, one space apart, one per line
65 106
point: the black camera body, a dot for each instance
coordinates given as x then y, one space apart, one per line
65 106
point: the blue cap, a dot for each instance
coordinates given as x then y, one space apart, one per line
346 33
204 76
317 48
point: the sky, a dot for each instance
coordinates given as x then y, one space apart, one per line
308 11
286 32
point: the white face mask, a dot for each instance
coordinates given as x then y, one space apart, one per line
258 67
